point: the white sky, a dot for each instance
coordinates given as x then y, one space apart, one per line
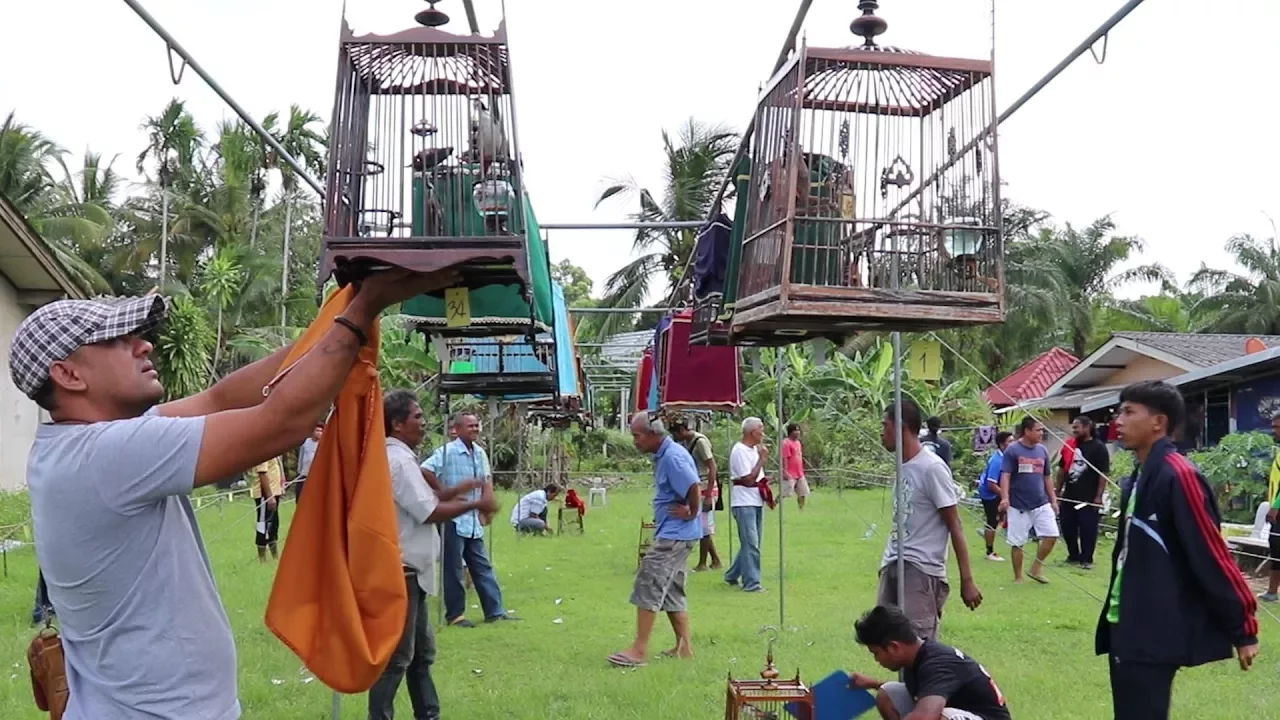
1174 133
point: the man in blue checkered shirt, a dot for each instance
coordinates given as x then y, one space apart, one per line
457 461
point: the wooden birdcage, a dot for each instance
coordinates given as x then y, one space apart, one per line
648 529
502 367
873 197
424 164
768 698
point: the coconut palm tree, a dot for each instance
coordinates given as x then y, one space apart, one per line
696 163
1087 261
307 145
1242 302
173 144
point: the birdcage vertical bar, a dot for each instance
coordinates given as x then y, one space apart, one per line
996 203
792 185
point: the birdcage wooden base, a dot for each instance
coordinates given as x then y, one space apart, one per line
497 384
482 260
807 312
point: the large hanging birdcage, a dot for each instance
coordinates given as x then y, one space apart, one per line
872 201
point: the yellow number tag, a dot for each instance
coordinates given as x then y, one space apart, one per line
846 206
924 360
457 307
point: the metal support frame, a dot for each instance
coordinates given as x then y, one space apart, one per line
668 225
175 46
623 311
782 500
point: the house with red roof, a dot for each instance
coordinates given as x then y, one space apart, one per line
1032 380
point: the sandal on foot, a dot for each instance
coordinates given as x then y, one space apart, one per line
622 661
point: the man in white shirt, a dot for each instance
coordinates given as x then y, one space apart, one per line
530 514
307 455
418 510
746 471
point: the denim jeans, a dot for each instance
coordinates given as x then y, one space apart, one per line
746 564
413 657
456 549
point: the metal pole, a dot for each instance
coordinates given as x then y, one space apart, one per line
623 311
471 16
1071 57
266 136
898 486
782 482
337 705
671 225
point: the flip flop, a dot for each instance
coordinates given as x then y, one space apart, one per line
622 661
1039 578
670 654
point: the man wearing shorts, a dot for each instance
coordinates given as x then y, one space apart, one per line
1027 494
700 448
266 490
793 480
929 520
989 493
659 585
939 682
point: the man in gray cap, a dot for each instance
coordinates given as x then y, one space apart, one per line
143 629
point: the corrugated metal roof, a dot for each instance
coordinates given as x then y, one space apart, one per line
1203 349
1032 379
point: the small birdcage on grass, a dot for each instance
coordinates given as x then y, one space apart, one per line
769 698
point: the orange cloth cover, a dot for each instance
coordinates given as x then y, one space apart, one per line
339 597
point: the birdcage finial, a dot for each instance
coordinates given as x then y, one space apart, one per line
868 25
770 671
431 17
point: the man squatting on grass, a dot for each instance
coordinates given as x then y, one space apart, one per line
931 518
1177 598
143 630
660 581
939 682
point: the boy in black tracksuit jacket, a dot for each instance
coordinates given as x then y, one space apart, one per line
1176 598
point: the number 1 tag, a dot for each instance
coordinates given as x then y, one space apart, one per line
457 307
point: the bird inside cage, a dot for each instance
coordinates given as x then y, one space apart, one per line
488 138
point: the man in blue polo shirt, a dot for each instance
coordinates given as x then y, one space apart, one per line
458 461
659 585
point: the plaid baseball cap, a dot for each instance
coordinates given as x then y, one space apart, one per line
56 330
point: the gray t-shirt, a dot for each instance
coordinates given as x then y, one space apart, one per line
1027 468
928 489
143 628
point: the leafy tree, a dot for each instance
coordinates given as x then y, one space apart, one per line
696 164
1243 302
575 281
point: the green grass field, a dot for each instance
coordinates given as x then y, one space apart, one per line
1037 641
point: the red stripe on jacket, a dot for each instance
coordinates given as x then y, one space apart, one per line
1189 478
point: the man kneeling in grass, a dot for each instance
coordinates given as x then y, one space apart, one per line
659 583
939 681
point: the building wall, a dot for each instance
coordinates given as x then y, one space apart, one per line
1142 368
19 417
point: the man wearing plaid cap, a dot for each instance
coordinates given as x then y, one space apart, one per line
143 629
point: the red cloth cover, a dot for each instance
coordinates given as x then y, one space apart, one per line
644 380
571 500
697 376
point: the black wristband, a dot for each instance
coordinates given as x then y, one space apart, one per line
360 334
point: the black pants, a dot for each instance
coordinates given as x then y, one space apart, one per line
297 487
413 657
267 529
1140 691
1079 530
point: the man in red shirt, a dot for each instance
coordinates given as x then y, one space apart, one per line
793 480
